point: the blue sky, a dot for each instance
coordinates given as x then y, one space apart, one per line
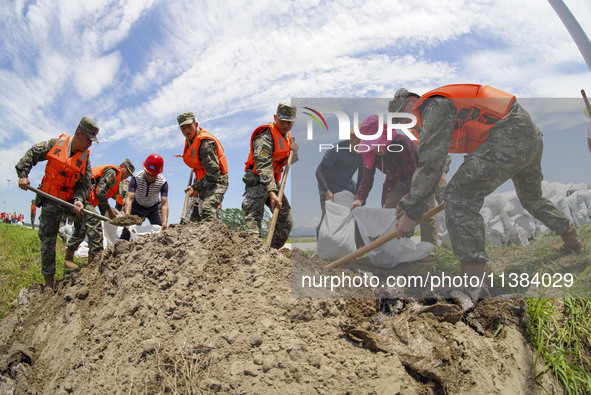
133 66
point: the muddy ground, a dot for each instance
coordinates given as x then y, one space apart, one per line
198 308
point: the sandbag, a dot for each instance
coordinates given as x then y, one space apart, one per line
336 236
111 233
376 222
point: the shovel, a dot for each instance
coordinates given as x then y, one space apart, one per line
280 196
92 214
187 195
378 242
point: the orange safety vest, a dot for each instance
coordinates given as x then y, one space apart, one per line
61 172
33 208
479 109
119 199
191 154
97 173
281 149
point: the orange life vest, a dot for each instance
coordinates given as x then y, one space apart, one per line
97 173
119 199
191 154
61 172
479 109
281 149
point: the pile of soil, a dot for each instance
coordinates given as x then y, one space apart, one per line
198 308
126 220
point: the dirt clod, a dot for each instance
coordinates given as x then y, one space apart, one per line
126 220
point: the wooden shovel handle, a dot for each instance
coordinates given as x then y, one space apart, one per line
378 242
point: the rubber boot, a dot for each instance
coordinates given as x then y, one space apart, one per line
571 241
49 283
69 261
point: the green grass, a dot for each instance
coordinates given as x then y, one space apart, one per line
560 331
20 262
560 326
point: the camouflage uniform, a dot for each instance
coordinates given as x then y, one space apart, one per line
123 188
51 213
257 189
513 150
212 187
440 191
86 225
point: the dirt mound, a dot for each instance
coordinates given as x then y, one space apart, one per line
198 308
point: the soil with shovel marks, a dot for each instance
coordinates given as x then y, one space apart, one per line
198 308
126 220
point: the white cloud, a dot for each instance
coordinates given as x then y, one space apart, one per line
93 75
232 63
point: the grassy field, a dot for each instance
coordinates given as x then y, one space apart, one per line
559 327
20 262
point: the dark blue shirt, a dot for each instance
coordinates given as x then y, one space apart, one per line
338 167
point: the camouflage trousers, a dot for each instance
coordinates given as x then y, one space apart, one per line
49 224
513 151
253 205
210 203
85 225
429 226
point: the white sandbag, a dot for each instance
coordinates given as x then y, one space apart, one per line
67 231
526 222
507 221
376 222
496 203
336 236
344 198
138 231
111 233
82 251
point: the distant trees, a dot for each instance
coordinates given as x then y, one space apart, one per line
233 218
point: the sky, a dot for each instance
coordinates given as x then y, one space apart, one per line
134 65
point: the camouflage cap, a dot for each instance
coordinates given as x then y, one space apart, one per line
185 118
130 167
87 125
400 97
286 112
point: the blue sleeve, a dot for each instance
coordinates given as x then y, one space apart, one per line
164 189
132 185
329 158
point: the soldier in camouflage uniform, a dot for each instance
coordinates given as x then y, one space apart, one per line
270 146
511 149
440 191
76 153
104 184
122 195
205 155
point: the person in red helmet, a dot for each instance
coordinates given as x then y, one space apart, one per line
148 194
